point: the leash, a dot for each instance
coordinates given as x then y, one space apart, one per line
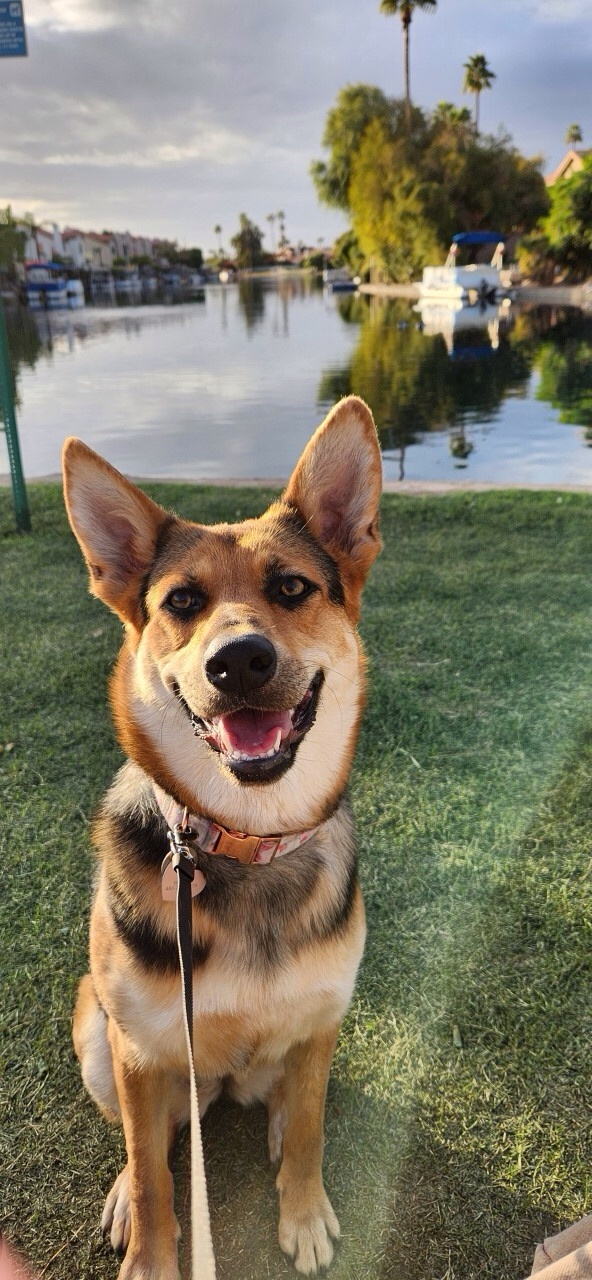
181 880
190 881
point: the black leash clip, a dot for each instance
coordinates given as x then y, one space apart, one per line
180 859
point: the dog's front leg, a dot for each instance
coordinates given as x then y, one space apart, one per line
307 1220
154 1231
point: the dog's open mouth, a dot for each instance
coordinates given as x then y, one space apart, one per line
258 744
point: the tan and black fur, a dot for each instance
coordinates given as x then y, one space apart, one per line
277 947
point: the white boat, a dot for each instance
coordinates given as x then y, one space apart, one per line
475 282
46 286
128 285
339 280
75 294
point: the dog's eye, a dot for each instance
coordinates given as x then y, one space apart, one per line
183 601
292 590
292 587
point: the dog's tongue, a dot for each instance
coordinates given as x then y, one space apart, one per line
253 732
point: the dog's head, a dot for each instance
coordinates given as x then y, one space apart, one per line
240 684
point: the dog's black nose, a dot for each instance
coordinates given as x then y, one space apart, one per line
241 665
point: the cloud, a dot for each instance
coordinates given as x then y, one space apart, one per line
562 11
169 116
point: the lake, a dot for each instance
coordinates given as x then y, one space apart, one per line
233 386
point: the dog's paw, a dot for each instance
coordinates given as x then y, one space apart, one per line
116 1223
116 1220
136 1266
305 1234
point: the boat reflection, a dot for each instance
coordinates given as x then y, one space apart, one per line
470 331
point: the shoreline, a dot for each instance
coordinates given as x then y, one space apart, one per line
409 488
561 295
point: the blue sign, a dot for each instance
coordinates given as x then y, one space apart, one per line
13 37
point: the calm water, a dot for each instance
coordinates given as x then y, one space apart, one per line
233 386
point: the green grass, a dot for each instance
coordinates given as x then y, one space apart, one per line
473 796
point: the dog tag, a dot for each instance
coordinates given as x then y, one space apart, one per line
169 881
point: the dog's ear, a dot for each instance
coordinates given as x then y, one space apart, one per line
337 484
116 525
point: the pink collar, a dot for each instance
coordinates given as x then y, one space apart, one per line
211 837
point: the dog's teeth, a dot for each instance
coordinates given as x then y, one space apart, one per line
277 743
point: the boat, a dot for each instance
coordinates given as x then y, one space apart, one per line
75 294
338 280
46 286
102 288
476 282
128 285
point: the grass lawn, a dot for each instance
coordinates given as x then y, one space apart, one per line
458 1124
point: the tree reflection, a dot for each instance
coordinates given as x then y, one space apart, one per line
418 382
564 362
251 300
24 343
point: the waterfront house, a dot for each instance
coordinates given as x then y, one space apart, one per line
572 162
98 250
74 247
42 244
126 246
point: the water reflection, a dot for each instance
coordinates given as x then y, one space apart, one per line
447 368
23 340
233 387
564 363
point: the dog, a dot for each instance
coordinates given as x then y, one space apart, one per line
237 698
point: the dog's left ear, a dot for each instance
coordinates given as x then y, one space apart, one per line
337 484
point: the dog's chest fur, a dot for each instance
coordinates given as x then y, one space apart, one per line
276 948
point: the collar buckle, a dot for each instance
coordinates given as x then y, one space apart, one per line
235 844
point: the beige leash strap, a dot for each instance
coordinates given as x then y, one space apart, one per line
203 1263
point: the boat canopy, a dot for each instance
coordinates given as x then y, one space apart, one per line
478 237
52 266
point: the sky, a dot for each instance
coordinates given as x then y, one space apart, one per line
167 117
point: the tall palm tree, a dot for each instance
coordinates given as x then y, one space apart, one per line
271 220
281 217
218 233
573 135
405 10
478 76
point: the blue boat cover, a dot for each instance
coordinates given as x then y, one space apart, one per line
477 237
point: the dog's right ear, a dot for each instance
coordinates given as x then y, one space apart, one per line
116 525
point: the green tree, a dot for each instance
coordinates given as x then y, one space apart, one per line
573 135
404 9
247 243
391 206
12 241
568 226
478 76
447 116
218 234
356 107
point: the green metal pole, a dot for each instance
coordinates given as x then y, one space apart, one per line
7 407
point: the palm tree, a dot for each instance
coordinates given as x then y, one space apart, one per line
405 10
281 217
218 233
573 135
271 220
478 76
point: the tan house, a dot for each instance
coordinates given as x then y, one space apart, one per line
98 250
572 162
